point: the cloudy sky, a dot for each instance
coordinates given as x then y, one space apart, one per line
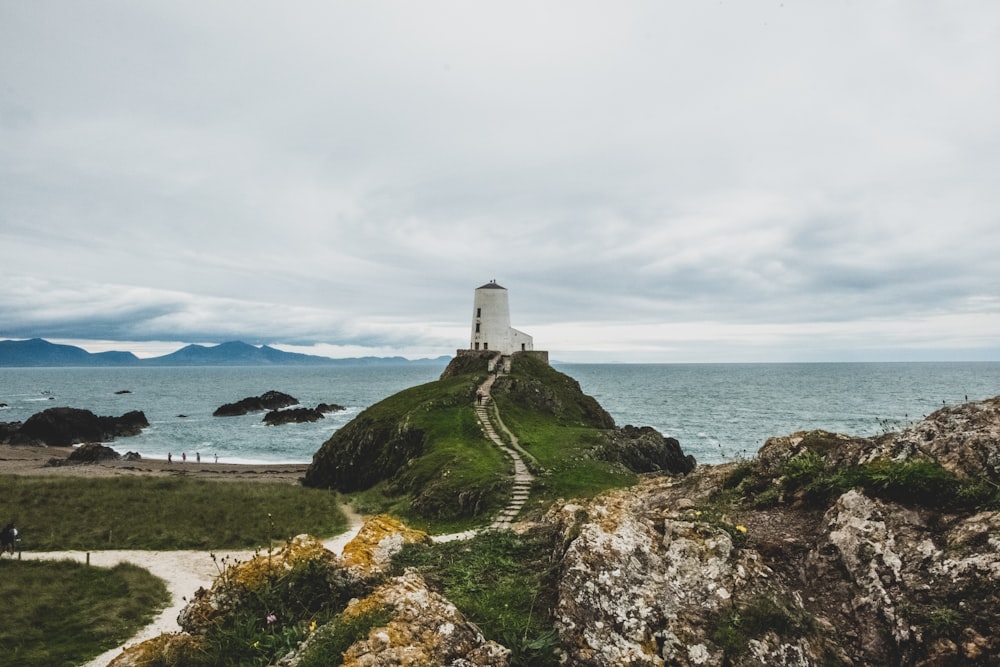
652 181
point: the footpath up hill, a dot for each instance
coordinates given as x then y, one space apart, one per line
425 455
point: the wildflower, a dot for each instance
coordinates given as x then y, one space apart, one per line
312 626
742 529
271 618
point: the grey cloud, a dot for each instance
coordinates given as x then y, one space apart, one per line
349 173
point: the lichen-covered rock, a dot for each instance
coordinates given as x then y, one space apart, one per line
424 629
915 581
645 583
377 541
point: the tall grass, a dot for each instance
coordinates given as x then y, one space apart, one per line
63 613
161 513
502 582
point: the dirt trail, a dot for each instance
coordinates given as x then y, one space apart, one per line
183 571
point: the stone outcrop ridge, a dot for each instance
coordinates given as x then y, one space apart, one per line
269 400
61 427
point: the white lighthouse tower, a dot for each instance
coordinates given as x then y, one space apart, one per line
491 330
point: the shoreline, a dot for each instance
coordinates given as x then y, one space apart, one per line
30 460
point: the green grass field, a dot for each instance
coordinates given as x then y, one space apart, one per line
63 614
164 513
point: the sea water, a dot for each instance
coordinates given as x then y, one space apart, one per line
718 412
179 401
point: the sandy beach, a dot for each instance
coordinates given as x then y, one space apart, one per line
21 460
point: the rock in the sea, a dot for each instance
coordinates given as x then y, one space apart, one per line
269 400
60 427
292 416
330 407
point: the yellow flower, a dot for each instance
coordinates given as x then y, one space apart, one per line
312 627
742 529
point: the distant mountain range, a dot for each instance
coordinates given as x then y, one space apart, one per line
39 352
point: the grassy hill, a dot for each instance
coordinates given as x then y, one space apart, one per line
421 453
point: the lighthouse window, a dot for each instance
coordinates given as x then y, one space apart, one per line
479 312
477 327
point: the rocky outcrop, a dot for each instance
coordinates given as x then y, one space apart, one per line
644 449
61 427
326 408
648 580
269 400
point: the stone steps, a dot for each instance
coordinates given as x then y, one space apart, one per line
521 488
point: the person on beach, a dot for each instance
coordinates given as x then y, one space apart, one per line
197 457
184 457
8 538
170 457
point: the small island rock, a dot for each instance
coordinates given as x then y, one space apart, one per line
292 416
269 400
